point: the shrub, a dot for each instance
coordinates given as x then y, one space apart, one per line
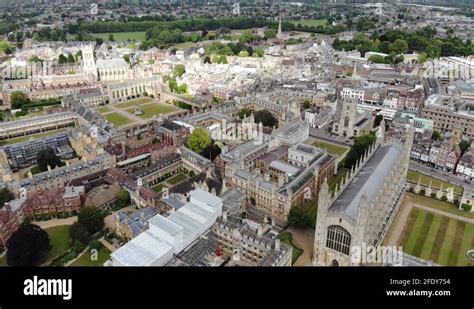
422 192
433 195
411 190
456 202
444 198
466 207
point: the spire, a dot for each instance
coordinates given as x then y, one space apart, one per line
279 34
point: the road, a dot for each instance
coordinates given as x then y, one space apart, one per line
324 135
451 178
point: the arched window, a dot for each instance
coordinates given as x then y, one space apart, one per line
338 239
346 121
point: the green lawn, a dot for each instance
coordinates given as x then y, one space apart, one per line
331 148
151 110
310 22
183 45
176 179
413 176
122 36
32 136
59 237
134 102
117 119
103 109
437 204
158 187
287 238
85 258
440 239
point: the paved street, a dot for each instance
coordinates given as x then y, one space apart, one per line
448 177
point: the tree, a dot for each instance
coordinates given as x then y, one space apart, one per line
298 218
78 232
466 207
18 99
266 118
436 136
211 152
5 196
377 59
62 59
464 145
198 140
123 198
28 246
111 37
70 58
360 146
47 157
35 59
306 104
399 46
126 58
270 33
244 112
378 120
92 219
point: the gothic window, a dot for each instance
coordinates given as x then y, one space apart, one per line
338 239
346 121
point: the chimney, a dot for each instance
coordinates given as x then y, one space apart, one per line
142 215
267 176
224 216
7 206
260 231
281 180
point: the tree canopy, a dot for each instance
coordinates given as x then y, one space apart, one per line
358 149
18 99
298 218
5 196
47 157
92 219
28 246
198 140
266 118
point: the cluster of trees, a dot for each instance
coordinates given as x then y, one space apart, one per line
264 116
90 220
328 29
400 42
6 47
18 99
298 218
66 59
156 25
358 149
5 196
50 34
47 157
464 146
28 246
218 51
7 27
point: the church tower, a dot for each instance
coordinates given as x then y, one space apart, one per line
88 62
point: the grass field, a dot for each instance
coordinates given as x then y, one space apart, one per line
331 148
176 179
33 136
437 204
85 258
438 238
59 237
132 103
103 109
183 45
287 238
413 176
122 36
151 110
310 22
117 119
158 187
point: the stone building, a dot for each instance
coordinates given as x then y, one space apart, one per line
353 121
364 205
